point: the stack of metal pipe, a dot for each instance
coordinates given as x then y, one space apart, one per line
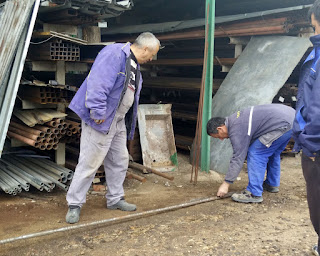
73 132
45 94
19 173
44 137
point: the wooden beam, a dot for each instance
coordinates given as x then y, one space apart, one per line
191 62
180 83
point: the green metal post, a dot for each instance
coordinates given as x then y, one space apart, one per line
207 101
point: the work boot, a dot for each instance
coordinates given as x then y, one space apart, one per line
73 214
246 197
315 250
123 206
269 188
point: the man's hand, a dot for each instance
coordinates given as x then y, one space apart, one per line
223 189
98 121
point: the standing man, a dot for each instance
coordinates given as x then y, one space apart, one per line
261 133
306 127
107 103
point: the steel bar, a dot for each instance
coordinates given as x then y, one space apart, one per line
132 175
115 220
141 167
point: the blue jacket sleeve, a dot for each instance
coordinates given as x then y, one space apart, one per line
240 146
310 136
100 82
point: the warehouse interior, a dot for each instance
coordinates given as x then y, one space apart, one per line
67 36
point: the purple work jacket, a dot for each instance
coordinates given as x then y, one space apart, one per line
102 91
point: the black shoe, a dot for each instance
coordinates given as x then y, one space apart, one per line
269 188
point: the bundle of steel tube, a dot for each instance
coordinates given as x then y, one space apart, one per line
18 173
44 95
44 137
73 132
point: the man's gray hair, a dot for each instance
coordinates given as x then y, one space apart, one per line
147 39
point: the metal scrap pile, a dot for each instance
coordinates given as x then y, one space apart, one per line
79 11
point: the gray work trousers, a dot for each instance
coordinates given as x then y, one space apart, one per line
97 148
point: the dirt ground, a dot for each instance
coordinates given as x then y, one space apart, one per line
278 226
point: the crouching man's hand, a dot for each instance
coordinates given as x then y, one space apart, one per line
223 189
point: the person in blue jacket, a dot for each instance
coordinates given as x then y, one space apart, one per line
261 133
306 127
107 104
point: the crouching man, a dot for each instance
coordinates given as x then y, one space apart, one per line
261 133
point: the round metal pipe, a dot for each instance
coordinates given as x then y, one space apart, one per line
23 169
25 133
42 128
47 167
25 176
34 170
27 129
22 138
22 182
116 219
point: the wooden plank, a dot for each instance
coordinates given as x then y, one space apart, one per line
26 104
76 66
50 66
92 34
27 119
180 83
191 62
60 154
60 28
61 72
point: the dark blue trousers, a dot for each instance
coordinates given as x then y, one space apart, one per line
261 158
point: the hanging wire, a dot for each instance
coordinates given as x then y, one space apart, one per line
44 41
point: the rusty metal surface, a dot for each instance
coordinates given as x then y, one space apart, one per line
156 136
261 70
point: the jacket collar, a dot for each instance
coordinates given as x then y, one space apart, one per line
315 40
126 49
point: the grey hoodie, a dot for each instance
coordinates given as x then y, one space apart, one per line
264 122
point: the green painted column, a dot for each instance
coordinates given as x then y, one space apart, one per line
207 101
